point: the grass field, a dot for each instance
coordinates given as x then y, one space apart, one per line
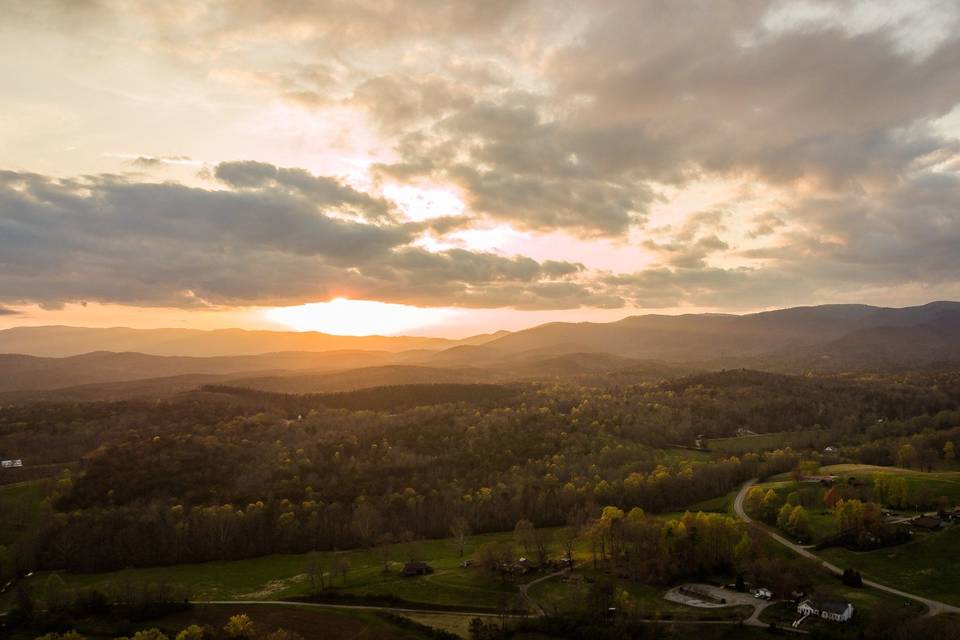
868 604
929 565
311 623
940 483
558 596
20 505
763 441
721 504
937 483
282 576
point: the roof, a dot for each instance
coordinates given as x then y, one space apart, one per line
830 606
833 606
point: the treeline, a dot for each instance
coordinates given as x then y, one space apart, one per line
232 474
385 398
102 537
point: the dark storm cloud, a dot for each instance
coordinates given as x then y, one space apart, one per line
108 239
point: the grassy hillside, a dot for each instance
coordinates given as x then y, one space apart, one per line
283 576
929 565
20 505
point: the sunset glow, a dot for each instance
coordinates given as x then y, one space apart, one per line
504 166
358 317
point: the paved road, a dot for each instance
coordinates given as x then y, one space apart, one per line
362 607
934 606
525 588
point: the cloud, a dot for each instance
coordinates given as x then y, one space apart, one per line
320 190
579 119
150 162
4 311
268 239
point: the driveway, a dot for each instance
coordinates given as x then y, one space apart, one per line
934 606
732 598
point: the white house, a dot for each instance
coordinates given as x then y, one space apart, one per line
827 609
762 593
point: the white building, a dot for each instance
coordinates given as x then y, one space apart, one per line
827 609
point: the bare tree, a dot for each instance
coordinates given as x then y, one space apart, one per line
314 571
524 534
343 566
568 537
385 542
460 530
366 521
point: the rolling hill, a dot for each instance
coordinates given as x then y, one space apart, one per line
57 341
637 348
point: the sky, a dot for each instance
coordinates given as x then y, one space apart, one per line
450 168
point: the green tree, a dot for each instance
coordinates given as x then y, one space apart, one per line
753 500
193 632
770 505
149 634
907 456
55 593
239 626
783 517
799 522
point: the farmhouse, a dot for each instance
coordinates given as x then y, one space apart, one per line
826 609
416 569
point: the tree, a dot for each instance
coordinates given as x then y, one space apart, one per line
568 539
385 542
193 632
523 535
460 530
314 571
753 500
25 605
852 578
907 456
807 468
154 634
343 566
783 517
283 634
239 626
799 522
495 557
55 593
366 521
949 452
928 458
770 505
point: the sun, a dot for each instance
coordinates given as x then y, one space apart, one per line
345 317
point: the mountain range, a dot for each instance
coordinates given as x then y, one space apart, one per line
80 363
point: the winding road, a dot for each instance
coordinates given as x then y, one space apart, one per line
934 607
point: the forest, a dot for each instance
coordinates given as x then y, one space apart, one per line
226 473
